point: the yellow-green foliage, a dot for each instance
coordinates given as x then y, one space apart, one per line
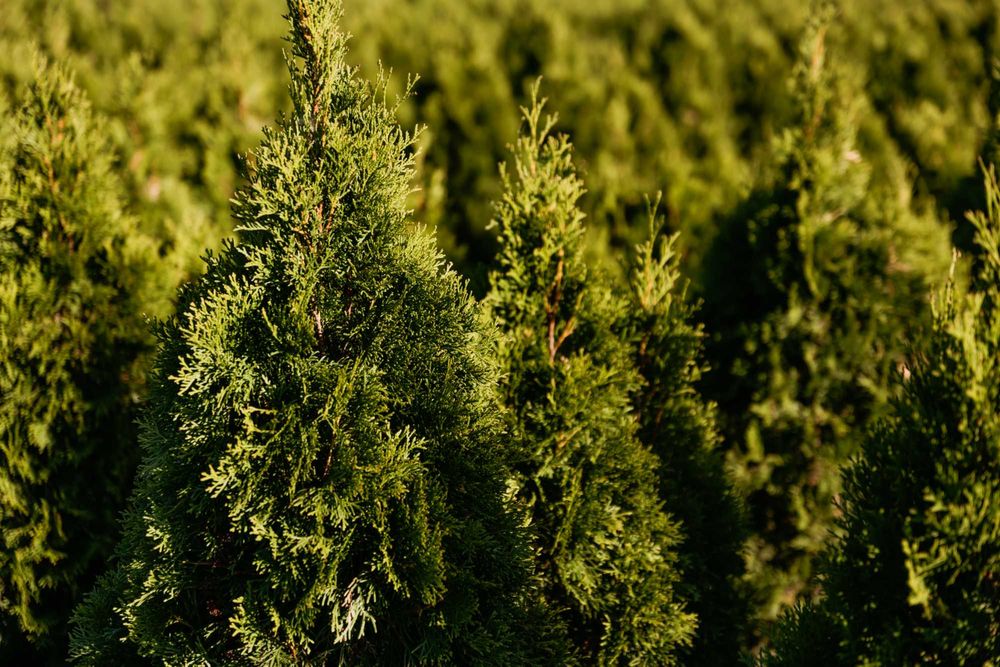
683 96
76 277
646 90
185 86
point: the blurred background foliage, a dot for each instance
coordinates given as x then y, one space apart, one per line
683 96
694 98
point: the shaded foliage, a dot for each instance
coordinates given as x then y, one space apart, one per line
812 289
913 577
680 427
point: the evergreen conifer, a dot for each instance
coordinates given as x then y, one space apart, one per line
322 478
606 548
680 427
76 276
812 289
913 579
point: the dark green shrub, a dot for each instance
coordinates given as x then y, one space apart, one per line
912 579
812 289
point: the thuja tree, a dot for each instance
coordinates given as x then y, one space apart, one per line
322 479
606 549
913 578
680 427
811 290
74 283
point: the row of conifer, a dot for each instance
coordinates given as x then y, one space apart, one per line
327 451
694 101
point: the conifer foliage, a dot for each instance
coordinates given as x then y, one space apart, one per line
74 281
679 426
812 288
913 579
606 549
321 479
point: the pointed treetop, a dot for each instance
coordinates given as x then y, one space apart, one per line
656 270
323 477
538 206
